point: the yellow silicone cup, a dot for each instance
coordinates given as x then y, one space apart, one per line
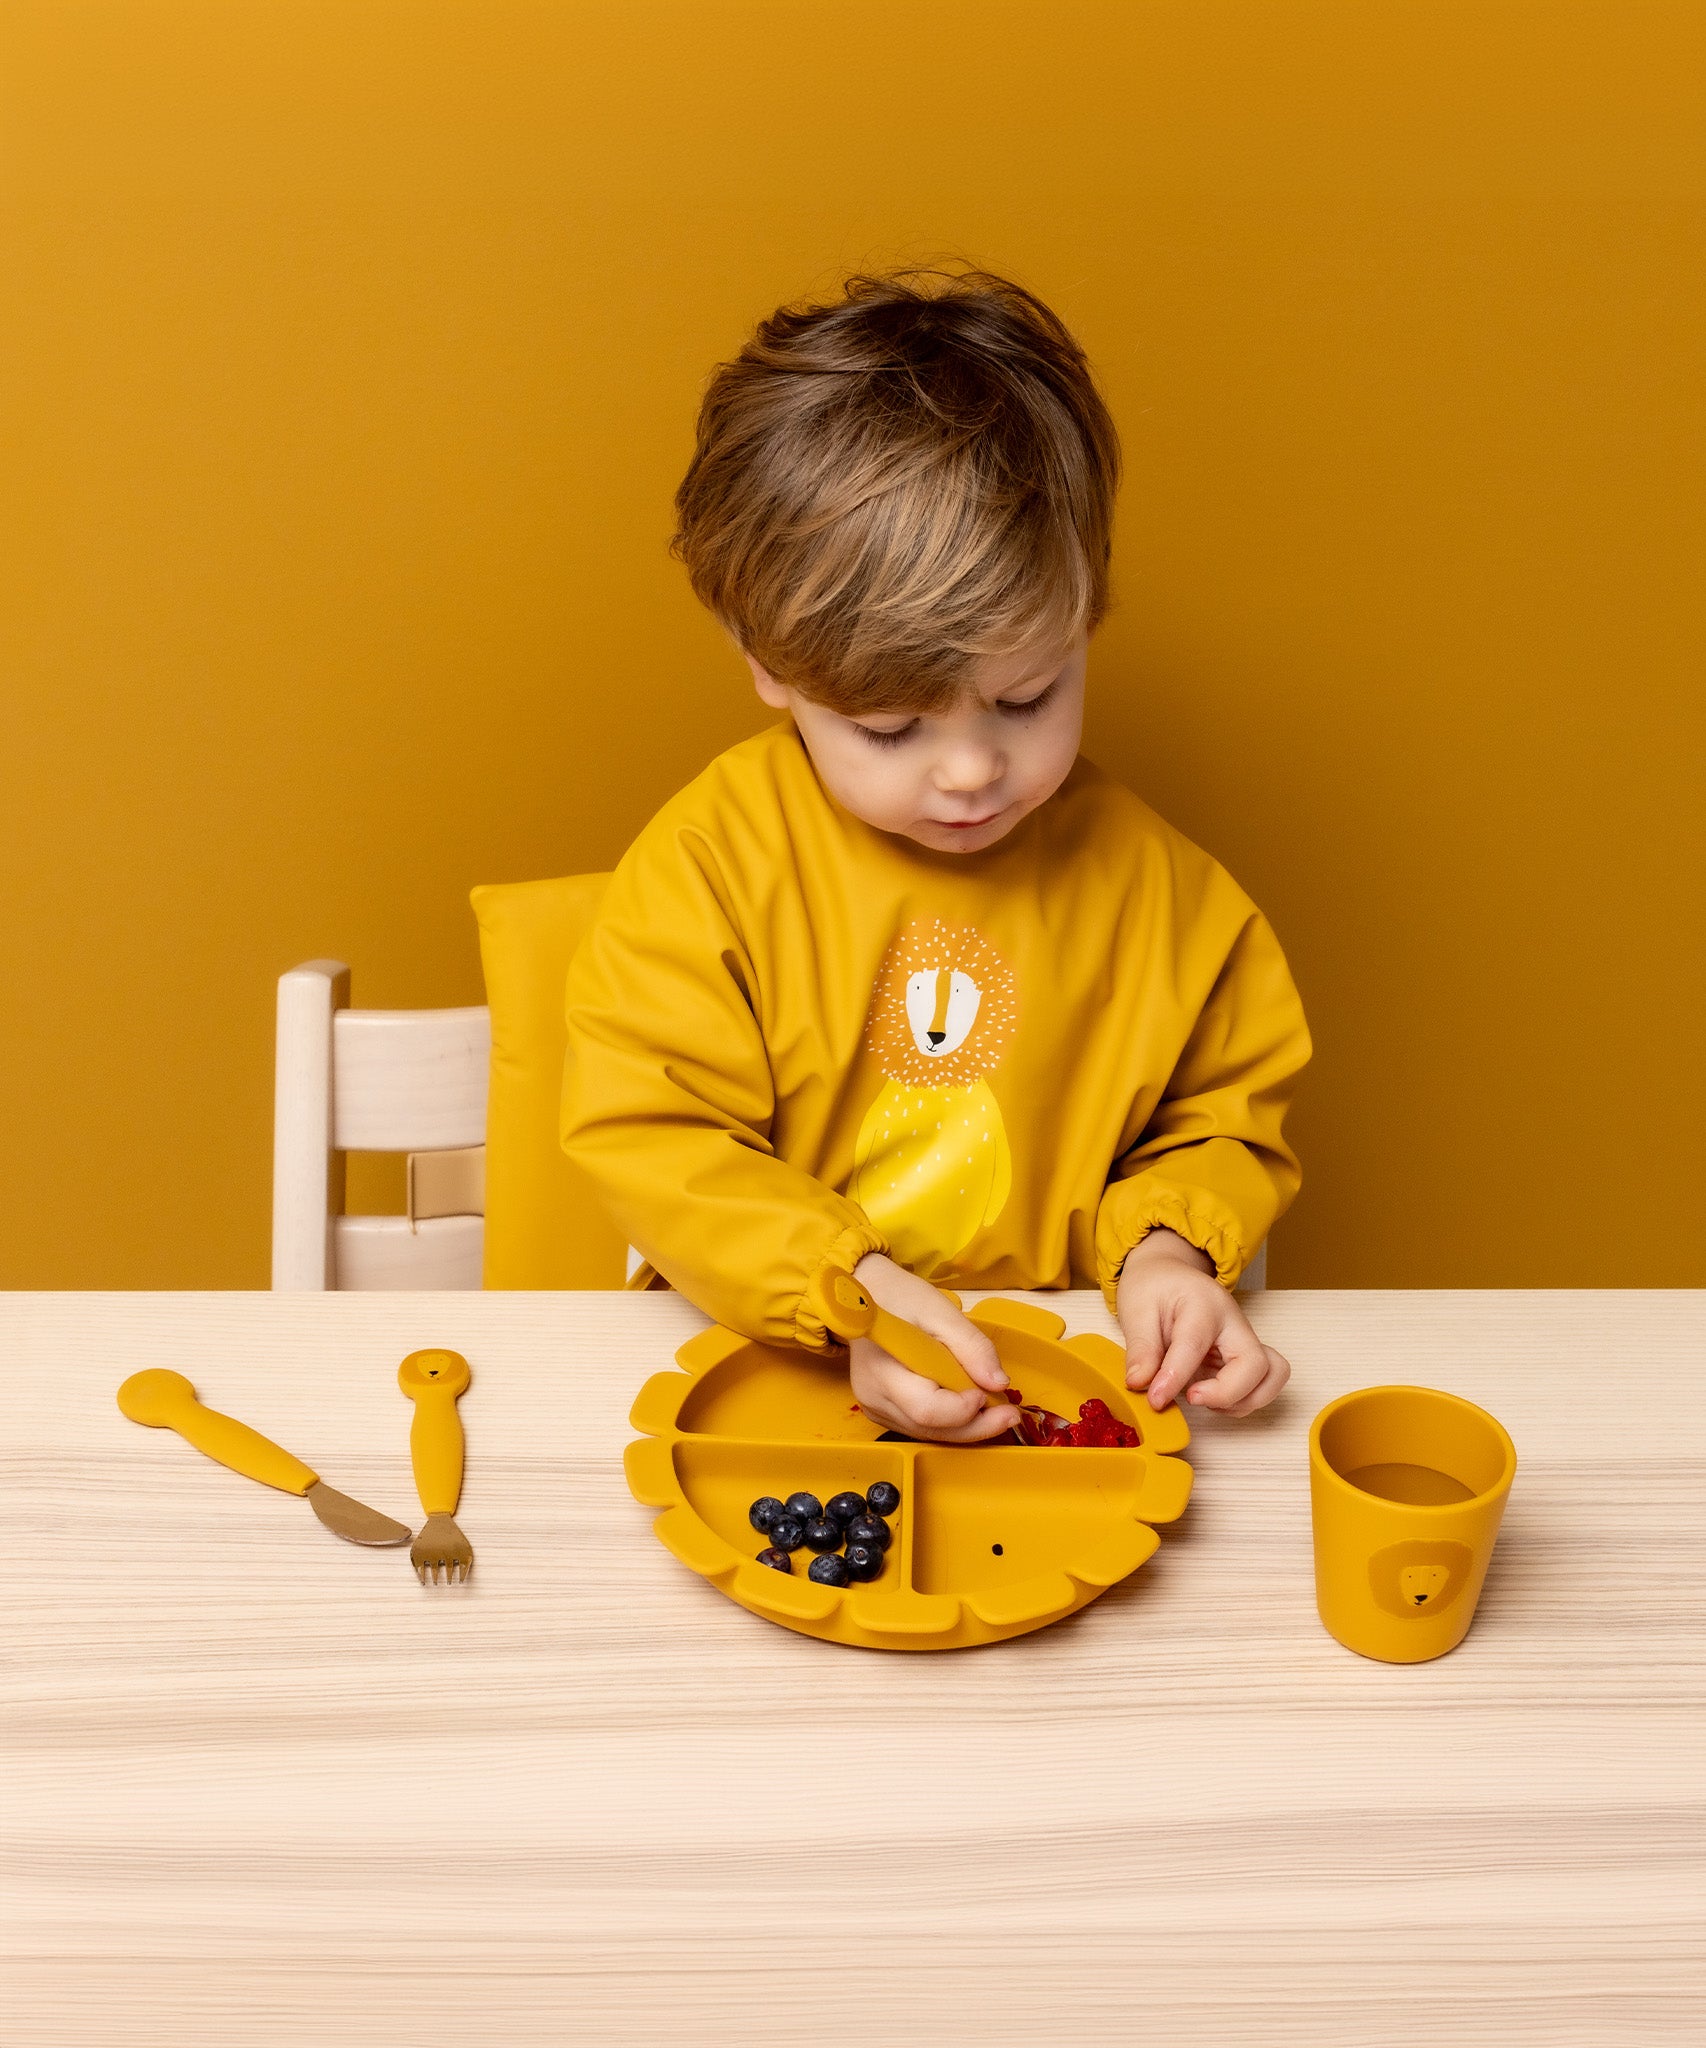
1397 1578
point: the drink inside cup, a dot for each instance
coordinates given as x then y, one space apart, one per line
1413 1446
1417 1486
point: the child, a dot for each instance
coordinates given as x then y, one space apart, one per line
904 985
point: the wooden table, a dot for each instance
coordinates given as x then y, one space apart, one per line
265 1789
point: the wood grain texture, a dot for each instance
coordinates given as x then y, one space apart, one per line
264 1788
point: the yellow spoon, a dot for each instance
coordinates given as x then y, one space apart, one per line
166 1400
848 1310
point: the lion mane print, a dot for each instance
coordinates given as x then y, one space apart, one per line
930 947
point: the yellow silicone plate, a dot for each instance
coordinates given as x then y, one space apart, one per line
988 1542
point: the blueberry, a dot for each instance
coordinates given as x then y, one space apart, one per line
829 1571
870 1529
863 1560
786 1533
777 1560
804 1507
845 1506
763 1512
883 1498
823 1534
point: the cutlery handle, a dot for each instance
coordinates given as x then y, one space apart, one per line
434 1381
166 1400
848 1310
921 1353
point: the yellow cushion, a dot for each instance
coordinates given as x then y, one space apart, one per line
544 1224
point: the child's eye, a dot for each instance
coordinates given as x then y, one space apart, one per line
890 739
1031 706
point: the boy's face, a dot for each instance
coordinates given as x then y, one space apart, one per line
956 780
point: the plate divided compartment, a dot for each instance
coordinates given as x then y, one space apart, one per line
989 1541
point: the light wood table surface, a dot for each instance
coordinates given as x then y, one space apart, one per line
262 1788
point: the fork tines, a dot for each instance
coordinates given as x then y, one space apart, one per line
455 1570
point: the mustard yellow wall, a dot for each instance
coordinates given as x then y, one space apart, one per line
353 350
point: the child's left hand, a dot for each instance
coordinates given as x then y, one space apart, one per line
1179 1321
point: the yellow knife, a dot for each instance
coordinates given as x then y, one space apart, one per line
166 1400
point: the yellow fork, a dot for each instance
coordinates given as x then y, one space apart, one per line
435 1381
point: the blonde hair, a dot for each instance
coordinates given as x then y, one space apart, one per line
887 487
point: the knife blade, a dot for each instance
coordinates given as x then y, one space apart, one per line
354 1521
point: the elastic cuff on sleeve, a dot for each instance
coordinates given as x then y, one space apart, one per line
1210 1228
843 1254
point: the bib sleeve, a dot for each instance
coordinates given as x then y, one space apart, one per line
668 1103
1210 1162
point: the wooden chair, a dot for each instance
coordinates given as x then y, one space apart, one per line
411 1081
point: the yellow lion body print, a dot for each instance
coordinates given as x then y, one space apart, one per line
931 1167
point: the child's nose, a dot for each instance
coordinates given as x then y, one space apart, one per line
967 769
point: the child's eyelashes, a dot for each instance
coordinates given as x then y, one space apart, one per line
901 733
1031 706
890 739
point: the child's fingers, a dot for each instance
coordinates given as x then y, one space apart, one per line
987 1423
1144 1349
1277 1371
951 1417
918 1407
991 1422
1194 1332
1243 1364
970 1345
989 1372
928 1309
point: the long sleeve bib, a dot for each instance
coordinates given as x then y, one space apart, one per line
794 1039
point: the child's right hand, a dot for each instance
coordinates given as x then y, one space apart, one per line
903 1400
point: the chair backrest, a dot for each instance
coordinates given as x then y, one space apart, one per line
412 1081
545 1225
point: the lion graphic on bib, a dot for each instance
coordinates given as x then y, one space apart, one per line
931 1167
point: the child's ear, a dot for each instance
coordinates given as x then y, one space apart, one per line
773 693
